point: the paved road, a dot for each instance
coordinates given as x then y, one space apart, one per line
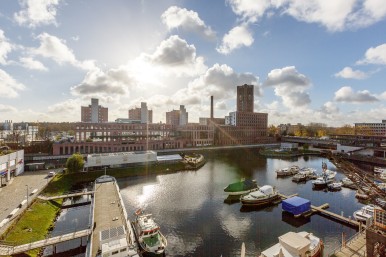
16 191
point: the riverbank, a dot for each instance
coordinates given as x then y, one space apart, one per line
286 154
39 219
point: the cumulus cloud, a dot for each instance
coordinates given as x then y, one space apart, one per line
176 56
5 48
176 17
237 37
349 73
375 55
56 49
335 15
30 63
113 82
9 87
290 85
37 12
347 94
329 108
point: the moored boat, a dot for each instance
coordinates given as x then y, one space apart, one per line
365 213
335 186
300 177
346 182
263 196
361 195
241 187
284 172
291 244
148 234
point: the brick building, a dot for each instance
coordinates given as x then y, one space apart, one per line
94 113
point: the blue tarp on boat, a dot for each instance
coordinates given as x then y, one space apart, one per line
296 205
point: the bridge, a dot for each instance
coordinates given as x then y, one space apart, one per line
68 195
7 248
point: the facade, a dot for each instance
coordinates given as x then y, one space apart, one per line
177 117
374 129
11 165
143 114
120 159
94 113
245 98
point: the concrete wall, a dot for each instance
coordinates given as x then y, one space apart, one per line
345 149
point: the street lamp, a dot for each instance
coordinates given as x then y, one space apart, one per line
27 195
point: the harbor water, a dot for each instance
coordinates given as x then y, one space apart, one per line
198 220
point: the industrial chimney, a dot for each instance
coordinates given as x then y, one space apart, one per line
211 107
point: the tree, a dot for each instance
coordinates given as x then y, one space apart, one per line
75 163
272 130
306 147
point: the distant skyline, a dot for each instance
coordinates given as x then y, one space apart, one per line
310 60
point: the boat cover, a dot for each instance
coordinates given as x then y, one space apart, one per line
241 186
296 205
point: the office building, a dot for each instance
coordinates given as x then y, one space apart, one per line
177 117
94 113
245 98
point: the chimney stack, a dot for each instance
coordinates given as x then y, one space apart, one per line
211 107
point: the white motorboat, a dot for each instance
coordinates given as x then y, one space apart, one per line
149 235
346 182
365 213
263 196
284 172
291 244
335 186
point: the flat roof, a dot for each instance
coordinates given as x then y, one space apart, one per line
172 157
120 153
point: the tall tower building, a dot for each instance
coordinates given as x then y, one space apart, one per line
94 113
177 117
245 98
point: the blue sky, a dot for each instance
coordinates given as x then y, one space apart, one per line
310 60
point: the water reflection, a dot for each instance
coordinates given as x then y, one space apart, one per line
198 219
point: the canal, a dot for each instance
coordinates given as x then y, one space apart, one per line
197 220
193 213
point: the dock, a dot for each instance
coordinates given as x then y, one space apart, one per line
321 210
355 247
112 231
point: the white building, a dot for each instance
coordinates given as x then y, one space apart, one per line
11 164
119 159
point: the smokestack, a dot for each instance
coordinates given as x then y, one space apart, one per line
211 107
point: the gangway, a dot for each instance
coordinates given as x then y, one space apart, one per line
48 198
10 249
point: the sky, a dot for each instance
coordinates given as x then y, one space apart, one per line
310 60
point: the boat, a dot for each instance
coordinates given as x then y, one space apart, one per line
361 195
365 213
346 182
291 244
335 186
262 196
319 182
284 172
300 177
148 235
241 187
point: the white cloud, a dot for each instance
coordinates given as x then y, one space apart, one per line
176 17
347 94
9 87
56 49
250 10
335 15
237 37
114 82
5 48
37 12
30 63
375 55
175 56
290 85
329 108
349 73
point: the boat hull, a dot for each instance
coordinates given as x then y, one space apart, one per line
260 202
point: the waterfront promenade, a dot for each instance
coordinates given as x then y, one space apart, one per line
16 191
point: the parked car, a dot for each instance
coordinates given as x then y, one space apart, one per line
51 174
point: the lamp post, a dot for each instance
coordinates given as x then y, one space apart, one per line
27 195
